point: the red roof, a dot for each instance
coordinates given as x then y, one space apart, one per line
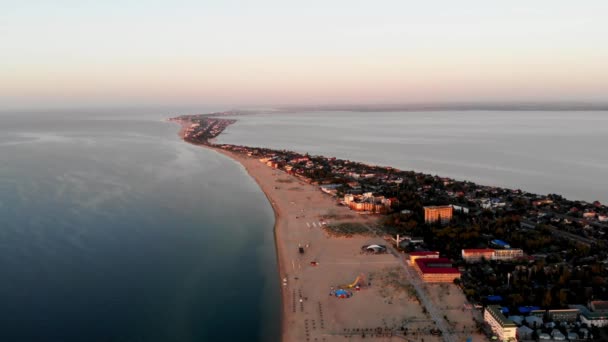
426 266
424 253
477 250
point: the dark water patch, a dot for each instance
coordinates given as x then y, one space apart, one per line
115 230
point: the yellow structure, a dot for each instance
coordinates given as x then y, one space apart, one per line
477 254
442 214
368 203
436 270
418 255
474 255
508 254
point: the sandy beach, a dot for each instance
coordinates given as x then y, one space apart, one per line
309 312
386 303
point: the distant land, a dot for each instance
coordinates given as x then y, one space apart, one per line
497 106
363 107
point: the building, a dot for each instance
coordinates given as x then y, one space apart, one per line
594 315
417 255
589 214
442 214
436 270
507 254
474 255
563 315
461 209
503 327
368 203
330 189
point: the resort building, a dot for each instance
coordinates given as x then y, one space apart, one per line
441 214
594 315
503 327
418 255
563 315
475 255
368 203
508 254
436 270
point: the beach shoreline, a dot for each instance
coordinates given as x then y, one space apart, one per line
313 262
276 233
277 219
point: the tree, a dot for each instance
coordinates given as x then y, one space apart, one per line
548 299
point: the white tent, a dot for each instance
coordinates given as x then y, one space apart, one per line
375 248
524 332
557 335
517 319
533 319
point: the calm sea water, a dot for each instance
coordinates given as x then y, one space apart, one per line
541 152
112 229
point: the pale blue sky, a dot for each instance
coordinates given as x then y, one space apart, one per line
282 52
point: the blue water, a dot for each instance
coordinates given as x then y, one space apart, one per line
561 152
113 229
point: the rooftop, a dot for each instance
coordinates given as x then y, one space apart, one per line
497 314
477 250
599 305
423 253
438 207
436 265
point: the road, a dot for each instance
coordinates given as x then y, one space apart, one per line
419 287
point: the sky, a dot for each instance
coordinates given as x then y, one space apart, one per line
64 53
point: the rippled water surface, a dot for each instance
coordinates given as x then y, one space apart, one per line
113 229
544 152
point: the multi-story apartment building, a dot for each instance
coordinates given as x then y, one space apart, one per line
503 327
442 214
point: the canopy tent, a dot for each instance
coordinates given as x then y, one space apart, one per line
374 248
340 293
533 319
524 332
517 319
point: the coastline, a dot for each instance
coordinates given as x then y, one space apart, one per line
276 233
312 263
277 219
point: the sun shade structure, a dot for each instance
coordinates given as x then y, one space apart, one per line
374 248
340 293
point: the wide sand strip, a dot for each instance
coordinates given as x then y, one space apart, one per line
385 304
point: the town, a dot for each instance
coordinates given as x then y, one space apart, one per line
536 265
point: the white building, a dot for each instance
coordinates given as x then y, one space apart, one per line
595 315
503 327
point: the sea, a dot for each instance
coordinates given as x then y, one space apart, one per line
113 229
543 152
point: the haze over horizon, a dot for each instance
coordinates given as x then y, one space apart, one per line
231 53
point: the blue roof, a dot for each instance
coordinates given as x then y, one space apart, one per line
527 309
499 242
